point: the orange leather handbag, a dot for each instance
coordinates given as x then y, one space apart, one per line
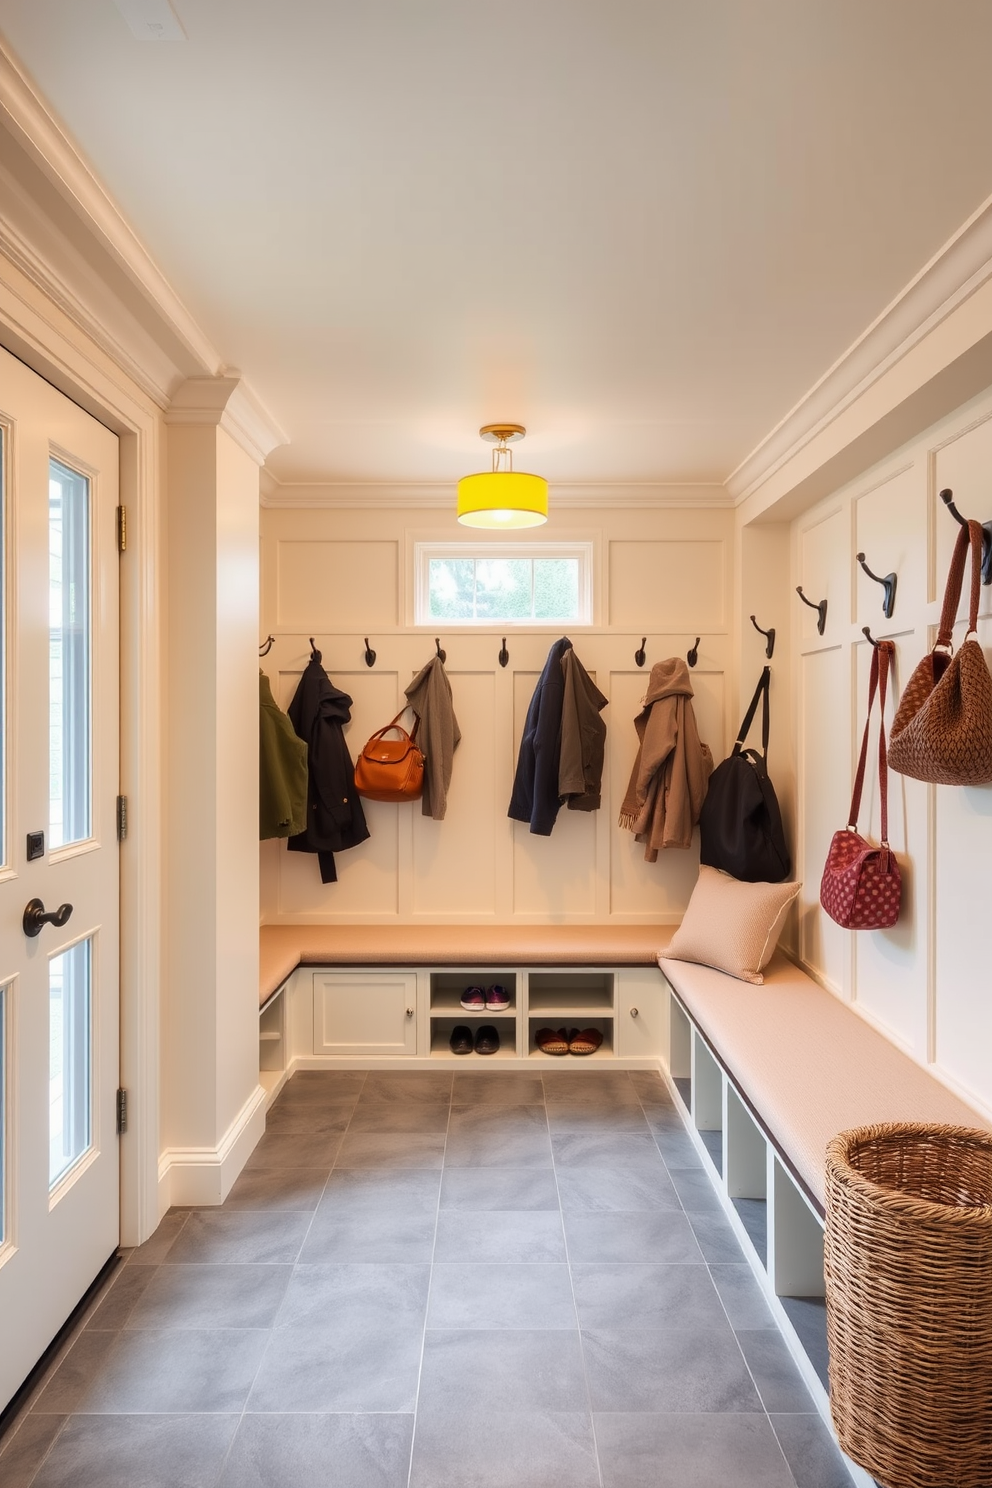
391 769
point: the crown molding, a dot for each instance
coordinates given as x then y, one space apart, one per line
142 362
227 402
302 495
48 147
955 273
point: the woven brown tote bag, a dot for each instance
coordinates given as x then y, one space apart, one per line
942 731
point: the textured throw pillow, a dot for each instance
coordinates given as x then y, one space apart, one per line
731 925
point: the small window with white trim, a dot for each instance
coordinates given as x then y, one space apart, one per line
509 584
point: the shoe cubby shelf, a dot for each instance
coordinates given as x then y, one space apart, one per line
380 1016
444 1004
605 1051
506 1028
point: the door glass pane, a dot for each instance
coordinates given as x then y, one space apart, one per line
69 1045
69 655
3 650
3 1114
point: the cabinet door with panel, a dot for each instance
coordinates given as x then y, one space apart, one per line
642 1013
365 1013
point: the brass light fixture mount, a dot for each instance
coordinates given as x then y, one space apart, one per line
502 434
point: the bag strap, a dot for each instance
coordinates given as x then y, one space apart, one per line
882 655
411 737
761 691
411 733
970 535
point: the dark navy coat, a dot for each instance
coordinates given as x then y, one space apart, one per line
535 797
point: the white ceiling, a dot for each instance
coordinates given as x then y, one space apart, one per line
642 228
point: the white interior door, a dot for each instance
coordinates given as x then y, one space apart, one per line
59 1000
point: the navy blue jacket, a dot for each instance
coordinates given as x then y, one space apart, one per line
535 797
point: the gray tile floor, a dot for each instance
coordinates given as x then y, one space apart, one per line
478 1280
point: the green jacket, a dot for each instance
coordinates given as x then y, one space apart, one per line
282 770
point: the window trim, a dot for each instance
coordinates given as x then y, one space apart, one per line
583 549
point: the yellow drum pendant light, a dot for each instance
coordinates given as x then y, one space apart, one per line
502 498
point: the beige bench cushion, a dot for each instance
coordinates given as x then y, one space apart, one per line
808 1065
284 947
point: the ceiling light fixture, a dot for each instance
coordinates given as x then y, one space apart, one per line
502 498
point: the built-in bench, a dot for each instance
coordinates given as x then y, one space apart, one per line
388 993
767 1075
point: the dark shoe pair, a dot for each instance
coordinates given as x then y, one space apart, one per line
485 1040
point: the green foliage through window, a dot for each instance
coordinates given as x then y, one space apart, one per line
498 588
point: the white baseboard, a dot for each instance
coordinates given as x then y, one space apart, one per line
205 1175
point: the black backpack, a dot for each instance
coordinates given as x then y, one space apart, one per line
740 826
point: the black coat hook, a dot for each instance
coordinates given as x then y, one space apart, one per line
821 609
441 655
888 584
947 497
314 653
692 655
769 636
266 645
504 655
868 635
369 654
640 655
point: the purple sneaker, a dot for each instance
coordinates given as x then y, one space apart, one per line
497 998
473 1000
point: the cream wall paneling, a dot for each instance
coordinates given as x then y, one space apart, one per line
922 982
477 865
340 576
346 570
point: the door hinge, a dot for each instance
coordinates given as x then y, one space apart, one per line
121 1112
122 529
121 818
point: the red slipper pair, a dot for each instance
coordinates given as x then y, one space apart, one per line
572 1041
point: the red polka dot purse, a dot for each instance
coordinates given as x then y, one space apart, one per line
861 887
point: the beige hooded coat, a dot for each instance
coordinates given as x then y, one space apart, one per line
673 766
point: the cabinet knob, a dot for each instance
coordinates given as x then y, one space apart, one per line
410 1012
633 1012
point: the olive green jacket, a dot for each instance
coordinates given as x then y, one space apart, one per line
282 770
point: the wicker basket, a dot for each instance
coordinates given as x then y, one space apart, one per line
908 1265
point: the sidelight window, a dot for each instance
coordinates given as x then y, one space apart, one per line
70 750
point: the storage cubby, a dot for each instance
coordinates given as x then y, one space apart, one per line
446 1011
681 1051
505 1025
747 1171
570 996
272 1041
605 1050
447 988
707 1099
571 999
